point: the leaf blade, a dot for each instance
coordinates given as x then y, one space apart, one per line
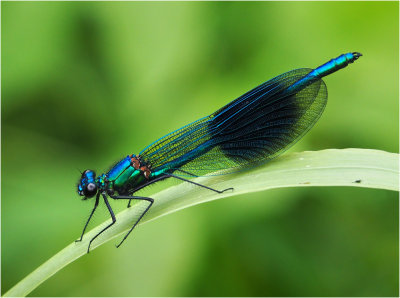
333 167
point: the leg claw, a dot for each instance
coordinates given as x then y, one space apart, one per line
230 188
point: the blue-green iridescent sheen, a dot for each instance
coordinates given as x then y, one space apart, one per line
329 67
252 129
87 178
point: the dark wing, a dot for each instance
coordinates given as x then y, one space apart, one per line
254 128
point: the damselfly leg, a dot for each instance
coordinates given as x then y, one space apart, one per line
198 184
137 221
112 218
87 222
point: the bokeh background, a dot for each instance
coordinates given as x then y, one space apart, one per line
86 83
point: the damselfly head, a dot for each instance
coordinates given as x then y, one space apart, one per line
87 184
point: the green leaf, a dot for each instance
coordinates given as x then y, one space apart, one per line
346 167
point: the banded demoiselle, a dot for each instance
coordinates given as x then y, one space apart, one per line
252 129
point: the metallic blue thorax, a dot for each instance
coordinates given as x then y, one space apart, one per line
122 178
119 168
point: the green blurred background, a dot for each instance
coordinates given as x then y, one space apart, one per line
84 84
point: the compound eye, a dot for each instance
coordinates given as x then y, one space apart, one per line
84 174
90 190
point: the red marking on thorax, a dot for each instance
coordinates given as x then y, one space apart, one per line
137 164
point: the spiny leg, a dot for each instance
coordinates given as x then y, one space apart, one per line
137 221
152 200
112 217
198 184
87 222
177 177
144 185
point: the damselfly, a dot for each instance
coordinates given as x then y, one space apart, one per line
252 129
